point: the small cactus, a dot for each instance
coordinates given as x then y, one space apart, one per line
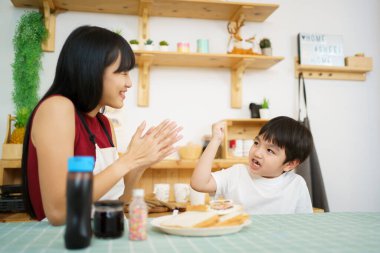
149 42
265 43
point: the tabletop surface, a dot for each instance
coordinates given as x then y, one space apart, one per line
325 232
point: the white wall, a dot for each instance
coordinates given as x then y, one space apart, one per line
344 115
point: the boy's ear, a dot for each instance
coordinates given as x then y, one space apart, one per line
291 165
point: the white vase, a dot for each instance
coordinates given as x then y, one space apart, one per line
267 51
264 113
164 48
149 47
135 47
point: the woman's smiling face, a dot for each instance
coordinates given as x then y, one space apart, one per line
115 85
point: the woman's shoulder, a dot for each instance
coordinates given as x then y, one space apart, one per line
55 104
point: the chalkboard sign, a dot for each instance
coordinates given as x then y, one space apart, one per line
320 49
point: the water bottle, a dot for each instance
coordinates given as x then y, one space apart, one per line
138 214
79 201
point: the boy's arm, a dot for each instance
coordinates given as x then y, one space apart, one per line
202 179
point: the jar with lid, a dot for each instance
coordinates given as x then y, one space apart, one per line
138 213
109 219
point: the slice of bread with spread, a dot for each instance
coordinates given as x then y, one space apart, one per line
232 219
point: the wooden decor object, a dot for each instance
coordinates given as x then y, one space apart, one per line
10 150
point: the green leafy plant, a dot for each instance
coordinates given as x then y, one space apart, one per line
148 42
265 104
118 31
30 33
134 42
265 43
164 43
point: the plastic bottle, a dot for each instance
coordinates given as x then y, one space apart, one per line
79 201
138 213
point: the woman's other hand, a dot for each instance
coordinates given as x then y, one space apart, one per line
153 146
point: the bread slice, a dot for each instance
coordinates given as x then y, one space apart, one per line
192 219
232 219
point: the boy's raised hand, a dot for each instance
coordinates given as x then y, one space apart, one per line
218 130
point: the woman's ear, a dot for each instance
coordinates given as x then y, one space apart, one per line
291 165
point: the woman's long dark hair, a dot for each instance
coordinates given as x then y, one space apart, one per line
79 77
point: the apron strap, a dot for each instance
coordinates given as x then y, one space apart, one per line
92 136
105 130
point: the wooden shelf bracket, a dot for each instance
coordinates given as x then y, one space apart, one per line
144 11
50 19
144 76
237 72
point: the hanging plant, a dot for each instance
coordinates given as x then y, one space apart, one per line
30 33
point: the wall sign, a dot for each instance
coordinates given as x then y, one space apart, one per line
320 49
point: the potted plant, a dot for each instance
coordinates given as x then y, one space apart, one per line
264 111
134 45
29 35
266 47
164 45
149 46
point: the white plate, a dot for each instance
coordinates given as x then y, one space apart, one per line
212 231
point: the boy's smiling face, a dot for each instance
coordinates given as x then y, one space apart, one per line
267 159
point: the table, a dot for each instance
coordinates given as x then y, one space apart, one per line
321 232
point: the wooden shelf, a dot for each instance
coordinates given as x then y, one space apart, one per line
211 9
190 164
236 62
158 58
330 72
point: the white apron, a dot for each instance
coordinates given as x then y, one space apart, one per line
104 158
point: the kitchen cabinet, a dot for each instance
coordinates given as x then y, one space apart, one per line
200 9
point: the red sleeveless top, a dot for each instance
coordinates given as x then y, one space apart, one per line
82 147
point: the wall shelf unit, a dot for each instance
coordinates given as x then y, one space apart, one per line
236 62
240 129
207 9
331 72
200 9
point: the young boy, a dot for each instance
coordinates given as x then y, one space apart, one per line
268 184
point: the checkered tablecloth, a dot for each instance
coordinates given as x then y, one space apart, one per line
326 232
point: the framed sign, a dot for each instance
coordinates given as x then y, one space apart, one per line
320 49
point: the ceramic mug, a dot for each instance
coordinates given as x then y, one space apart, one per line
197 198
181 193
162 192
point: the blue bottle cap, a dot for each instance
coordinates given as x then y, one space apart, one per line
81 164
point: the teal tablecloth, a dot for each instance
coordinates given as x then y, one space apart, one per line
327 232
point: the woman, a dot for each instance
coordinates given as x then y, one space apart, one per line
92 72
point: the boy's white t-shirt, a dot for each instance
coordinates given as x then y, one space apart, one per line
284 194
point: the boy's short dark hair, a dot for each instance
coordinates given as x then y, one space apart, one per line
289 134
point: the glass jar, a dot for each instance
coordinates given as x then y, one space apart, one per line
108 219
